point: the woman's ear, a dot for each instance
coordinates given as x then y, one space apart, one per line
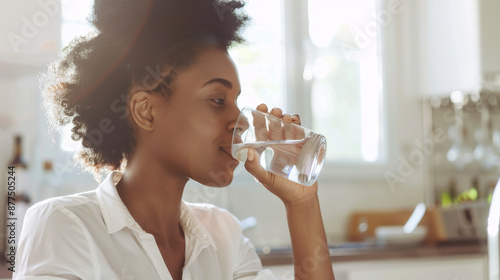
141 109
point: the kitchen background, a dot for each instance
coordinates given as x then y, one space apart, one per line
403 90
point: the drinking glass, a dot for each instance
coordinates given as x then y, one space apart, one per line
287 150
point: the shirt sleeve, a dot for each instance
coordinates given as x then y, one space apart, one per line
247 263
53 245
249 266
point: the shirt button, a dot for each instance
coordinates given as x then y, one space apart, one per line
204 236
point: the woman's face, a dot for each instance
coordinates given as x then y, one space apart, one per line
193 128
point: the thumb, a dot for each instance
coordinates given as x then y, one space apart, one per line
252 165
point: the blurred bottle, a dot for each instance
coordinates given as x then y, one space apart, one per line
438 197
18 159
21 171
449 197
48 182
475 193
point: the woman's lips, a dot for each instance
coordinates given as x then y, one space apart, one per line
227 151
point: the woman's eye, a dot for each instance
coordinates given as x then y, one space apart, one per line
219 101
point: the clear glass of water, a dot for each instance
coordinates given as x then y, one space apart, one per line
287 150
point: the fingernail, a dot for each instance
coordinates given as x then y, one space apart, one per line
250 155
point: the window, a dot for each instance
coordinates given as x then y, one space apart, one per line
74 19
343 69
321 59
260 60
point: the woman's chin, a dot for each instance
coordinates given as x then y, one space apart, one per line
218 179
221 182
217 185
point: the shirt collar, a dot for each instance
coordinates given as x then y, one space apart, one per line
116 215
192 225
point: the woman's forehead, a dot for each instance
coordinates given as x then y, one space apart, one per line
214 63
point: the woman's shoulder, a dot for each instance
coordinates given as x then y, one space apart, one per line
67 200
61 207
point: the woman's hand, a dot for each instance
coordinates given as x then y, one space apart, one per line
289 192
307 233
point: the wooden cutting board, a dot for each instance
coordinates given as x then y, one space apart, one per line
374 219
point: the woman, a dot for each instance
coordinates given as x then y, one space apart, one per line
152 97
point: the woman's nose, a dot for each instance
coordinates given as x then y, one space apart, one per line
234 114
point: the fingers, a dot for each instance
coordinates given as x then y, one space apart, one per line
296 119
288 129
299 132
287 118
277 112
275 130
262 107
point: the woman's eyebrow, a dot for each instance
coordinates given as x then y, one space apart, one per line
221 81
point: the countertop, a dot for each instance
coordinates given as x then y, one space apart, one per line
363 251
357 252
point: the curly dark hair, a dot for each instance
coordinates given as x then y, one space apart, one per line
136 40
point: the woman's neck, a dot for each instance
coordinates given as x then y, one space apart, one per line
153 196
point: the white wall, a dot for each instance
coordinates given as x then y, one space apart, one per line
450 45
29 27
490 41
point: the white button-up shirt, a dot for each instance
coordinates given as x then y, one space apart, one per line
92 235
